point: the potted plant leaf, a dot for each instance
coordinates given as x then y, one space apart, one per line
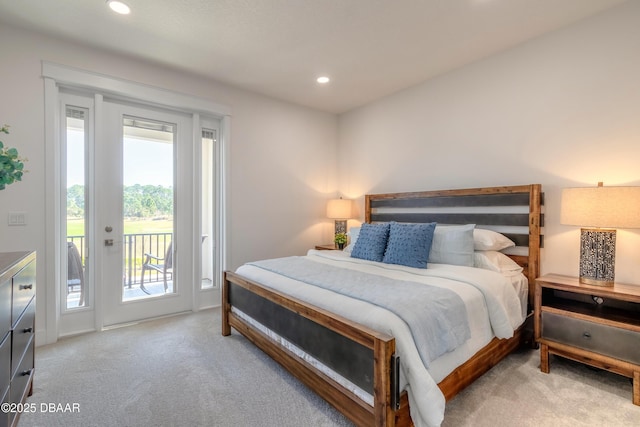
340 239
11 164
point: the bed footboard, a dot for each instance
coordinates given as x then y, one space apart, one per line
363 356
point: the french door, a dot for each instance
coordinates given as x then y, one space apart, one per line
143 212
136 184
128 213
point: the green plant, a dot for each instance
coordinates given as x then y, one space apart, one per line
340 238
11 164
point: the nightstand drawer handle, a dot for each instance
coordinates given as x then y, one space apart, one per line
586 335
23 287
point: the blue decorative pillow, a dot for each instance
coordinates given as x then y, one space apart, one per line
372 242
409 244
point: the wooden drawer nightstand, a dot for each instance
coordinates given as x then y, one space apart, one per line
595 325
329 247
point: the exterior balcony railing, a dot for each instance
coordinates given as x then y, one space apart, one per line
135 246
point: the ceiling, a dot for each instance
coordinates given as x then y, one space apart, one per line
369 48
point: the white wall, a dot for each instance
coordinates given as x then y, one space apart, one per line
562 110
282 156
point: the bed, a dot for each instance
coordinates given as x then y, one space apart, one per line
359 356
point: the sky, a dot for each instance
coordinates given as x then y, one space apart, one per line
146 162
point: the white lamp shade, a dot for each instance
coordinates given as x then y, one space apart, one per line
339 209
607 207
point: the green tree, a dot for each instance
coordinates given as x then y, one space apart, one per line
144 201
139 201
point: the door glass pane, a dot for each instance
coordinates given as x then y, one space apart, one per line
207 198
76 213
148 208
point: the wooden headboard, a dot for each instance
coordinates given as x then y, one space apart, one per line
515 211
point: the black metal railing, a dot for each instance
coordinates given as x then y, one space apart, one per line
135 248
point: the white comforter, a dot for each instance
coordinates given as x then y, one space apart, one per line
426 400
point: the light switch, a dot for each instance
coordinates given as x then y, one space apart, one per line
17 218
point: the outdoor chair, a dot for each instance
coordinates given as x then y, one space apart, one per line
163 266
75 271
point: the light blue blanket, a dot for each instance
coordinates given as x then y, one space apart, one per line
436 317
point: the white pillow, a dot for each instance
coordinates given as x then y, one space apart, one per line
452 244
353 234
488 240
496 261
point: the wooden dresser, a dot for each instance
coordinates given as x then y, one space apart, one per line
17 331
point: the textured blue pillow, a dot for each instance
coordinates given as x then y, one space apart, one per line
372 242
409 244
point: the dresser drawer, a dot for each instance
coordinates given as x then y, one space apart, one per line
607 340
5 366
24 288
22 376
22 335
4 416
5 307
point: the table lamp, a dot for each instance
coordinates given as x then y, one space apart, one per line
340 211
599 211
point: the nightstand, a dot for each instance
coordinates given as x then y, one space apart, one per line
330 247
595 325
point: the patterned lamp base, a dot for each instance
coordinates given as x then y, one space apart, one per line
341 226
597 256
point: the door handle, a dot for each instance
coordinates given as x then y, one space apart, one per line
108 242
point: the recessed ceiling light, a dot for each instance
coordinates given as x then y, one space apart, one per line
119 7
323 80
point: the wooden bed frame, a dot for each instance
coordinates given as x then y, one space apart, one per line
326 336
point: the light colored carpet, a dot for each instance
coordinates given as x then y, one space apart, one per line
175 371
516 393
179 371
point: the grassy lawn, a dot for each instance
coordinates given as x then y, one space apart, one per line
75 227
